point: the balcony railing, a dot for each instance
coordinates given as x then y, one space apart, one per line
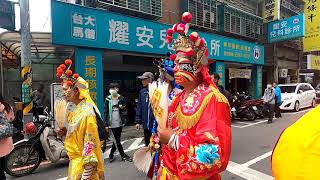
286 4
204 13
150 9
232 20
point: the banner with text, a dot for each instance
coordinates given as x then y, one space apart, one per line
312 36
89 27
313 62
90 68
239 73
286 29
271 10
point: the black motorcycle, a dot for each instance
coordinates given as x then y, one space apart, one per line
241 110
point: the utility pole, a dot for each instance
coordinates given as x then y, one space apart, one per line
275 63
26 71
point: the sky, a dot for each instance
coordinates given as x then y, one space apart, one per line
40 19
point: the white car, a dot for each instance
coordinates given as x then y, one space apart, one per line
297 96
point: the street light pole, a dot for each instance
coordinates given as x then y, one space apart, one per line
26 71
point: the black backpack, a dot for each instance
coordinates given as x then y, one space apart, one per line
101 127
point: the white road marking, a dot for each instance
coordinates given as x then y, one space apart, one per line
252 124
236 126
247 173
257 159
135 144
240 122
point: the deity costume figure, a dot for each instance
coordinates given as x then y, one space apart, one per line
197 137
82 141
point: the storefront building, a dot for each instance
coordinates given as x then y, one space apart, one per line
120 46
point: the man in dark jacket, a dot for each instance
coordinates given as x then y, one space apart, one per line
116 115
144 114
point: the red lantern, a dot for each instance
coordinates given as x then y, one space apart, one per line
170 32
194 36
168 39
69 72
69 83
68 62
181 28
59 70
75 76
186 17
62 66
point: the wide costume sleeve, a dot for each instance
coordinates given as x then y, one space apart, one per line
204 149
91 147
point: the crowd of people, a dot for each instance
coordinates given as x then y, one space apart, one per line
195 141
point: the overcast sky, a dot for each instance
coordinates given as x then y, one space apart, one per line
40 20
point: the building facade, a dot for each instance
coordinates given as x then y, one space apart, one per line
284 58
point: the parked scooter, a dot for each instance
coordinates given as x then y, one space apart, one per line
241 110
43 144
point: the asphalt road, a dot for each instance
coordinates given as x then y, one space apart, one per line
252 145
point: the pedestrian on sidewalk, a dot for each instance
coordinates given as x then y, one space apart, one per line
269 100
278 100
116 117
144 114
6 132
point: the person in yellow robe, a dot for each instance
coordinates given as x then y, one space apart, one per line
82 141
296 155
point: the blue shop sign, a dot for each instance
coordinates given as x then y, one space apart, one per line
82 26
286 29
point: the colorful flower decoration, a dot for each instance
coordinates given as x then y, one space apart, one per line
207 153
88 147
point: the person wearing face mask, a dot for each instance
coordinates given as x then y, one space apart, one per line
269 98
6 143
116 116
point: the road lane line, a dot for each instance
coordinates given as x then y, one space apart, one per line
257 159
135 144
236 126
247 173
242 122
106 154
253 124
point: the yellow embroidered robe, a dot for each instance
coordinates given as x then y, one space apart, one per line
82 142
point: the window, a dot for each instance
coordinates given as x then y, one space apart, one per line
288 89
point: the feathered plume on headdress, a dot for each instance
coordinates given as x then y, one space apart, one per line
189 48
65 73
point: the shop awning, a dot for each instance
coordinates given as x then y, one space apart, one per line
42 49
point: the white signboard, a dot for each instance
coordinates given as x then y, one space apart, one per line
283 73
239 73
